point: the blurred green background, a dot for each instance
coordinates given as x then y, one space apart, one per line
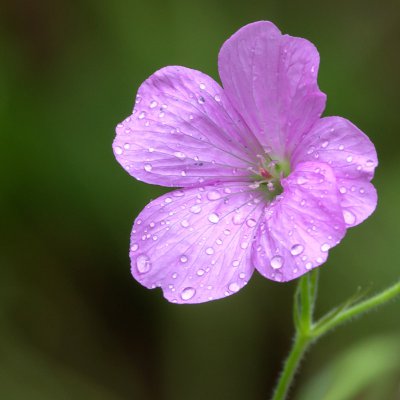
73 323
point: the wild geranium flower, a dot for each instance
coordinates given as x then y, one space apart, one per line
267 183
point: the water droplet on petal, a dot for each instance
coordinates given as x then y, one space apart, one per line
179 154
236 263
276 262
369 163
301 180
251 223
143 264
134 247
296 249
142 115
200 272
153 104
213 195
168 200
234 287
324 144
183 258
341 147
308 265
202 86
342 190
213 218
148 167
237 219
188 293
349 217
118 150
195 209
242 275
209 251
227 232
185 223
349 159
217 98
325 247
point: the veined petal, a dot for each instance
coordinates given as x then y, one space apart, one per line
271 79
301 225
196 243
184 132
352 157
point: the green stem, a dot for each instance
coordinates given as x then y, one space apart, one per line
300 346
307 332
358 309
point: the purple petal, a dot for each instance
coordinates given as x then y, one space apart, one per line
184 132
352 157
196 243
301 225
271 79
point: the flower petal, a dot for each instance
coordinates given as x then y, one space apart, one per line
271 79
184 132
301 225
196 243
352 157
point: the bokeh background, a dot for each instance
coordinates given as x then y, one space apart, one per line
73 323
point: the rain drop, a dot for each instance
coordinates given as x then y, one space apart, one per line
180 155
185 223
235 263
213 195
276 262
143 264
325 247
148 167
296 249
153 104
251 223
349 159
188 293
349 217
183 258
213 218
209 251
134 247
195 209
118 150
234 287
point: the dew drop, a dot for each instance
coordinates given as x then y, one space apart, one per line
202 86
276 262
242 275
201 100
237 219
195 209
188 293
217 98
183 258
143 264
142 115
349 159
227 232
251 223
236 263
185 223
148 167
153 104
234 287
209 251
308 265
325 247
349 217
296 249
324 144
301 180
213 195
183 173
168 200
369 163
341 147
180 155
342 190
200 272
134 247
213 218
118 150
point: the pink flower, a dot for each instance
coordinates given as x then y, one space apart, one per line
267 183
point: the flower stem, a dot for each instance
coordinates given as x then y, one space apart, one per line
299 347
358 309
307 332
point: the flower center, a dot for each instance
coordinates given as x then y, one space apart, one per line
269 175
